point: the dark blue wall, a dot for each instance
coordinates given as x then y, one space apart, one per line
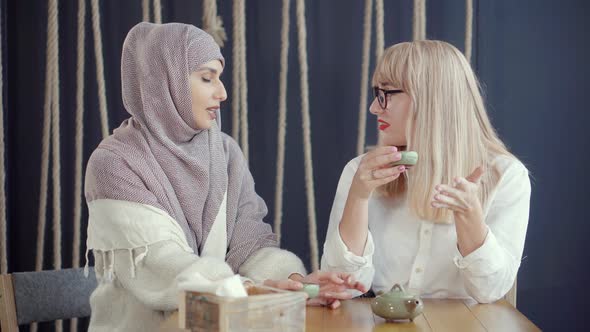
533 60
531 57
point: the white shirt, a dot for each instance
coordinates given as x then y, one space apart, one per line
422 256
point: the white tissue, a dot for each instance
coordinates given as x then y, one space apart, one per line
229 287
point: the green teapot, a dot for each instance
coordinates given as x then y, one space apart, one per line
397 304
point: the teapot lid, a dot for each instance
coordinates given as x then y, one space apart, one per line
397 288
397 291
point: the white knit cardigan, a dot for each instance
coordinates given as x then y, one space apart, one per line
143 261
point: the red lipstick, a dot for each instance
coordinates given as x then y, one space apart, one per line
383 125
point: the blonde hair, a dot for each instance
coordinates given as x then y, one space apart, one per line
448 125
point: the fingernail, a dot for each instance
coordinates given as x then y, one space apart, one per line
402 168
394 149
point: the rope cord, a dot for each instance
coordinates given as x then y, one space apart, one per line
145 7
235 102
212 23
98 54
243 81
157 12
419 22
282 122
302 47
379 41
362 124
468 28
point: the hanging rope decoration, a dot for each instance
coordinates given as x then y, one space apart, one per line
419 22
379 34
379 42
212 23
240 85
55 133
145 7
468 28
282 122
50 119
157 12
302 47
362 127
50 127
79 140
379 45
235 101
3 237
79 132
423 19
44 152
102 98
243 82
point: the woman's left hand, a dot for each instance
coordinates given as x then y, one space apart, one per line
463 200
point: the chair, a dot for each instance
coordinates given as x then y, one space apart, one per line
27 297
511 295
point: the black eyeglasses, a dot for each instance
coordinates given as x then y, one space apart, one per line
381 95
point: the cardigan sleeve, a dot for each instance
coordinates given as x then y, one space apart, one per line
271 263
141 250
159 278
249 232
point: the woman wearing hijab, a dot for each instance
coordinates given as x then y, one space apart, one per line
170 197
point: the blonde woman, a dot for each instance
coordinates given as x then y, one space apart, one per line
452 226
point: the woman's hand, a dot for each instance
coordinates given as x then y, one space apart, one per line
463 199
334 287
286 284
374 171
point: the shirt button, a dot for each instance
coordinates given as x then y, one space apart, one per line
418 270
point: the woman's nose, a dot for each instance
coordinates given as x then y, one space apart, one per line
375 108
221 94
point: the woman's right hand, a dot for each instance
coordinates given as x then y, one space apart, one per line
374 171
334 287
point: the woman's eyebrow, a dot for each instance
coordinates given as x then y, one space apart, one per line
212 70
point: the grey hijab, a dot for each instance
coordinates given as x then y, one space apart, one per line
159 156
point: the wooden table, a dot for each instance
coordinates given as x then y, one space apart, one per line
438 315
